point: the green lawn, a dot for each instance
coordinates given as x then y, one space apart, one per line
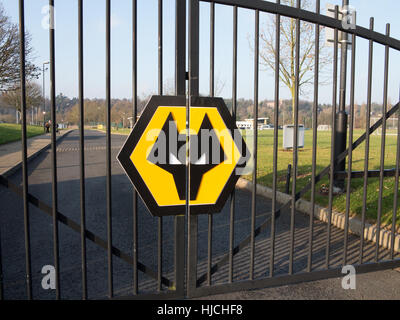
12 132
125 131
265 170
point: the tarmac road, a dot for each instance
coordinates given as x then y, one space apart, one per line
12 232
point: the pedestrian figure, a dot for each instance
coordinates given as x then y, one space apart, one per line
47 127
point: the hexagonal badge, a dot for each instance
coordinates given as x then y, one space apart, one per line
155 156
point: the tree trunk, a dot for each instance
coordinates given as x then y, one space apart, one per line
293 103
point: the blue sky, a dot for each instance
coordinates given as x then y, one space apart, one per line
94 37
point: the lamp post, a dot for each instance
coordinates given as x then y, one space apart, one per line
44 97
44 127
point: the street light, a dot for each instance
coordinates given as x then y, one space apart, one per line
44 126
44 97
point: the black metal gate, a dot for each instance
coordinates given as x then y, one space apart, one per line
257 253
270 275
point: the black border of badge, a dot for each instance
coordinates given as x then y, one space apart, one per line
136 133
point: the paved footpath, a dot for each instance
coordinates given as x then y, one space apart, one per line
11 156
381 285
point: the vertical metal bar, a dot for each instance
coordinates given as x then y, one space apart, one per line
209 248
255 128
180 89
350 159
53 151
44 95
212 47
193 91
180 48
341 125
288 176
160 92
315 137
295 142
212 86
194 47
234 109
1 274
343 67
160 47
160 253
383 143
179 255
396 190
275 147
366 156
108 147
24 151
134 115
332 167
82 150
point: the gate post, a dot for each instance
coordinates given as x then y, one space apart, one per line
341 116
180 88
193 91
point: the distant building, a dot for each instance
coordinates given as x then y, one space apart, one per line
244 125
248 123
324 127
260 121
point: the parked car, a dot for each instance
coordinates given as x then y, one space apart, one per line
267 127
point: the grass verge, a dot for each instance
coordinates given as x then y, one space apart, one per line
12 132
265 172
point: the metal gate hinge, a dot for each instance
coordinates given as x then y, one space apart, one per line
186 75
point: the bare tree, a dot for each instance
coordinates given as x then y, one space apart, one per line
219 85
287 51
169 87
10 54
33 97
121 111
